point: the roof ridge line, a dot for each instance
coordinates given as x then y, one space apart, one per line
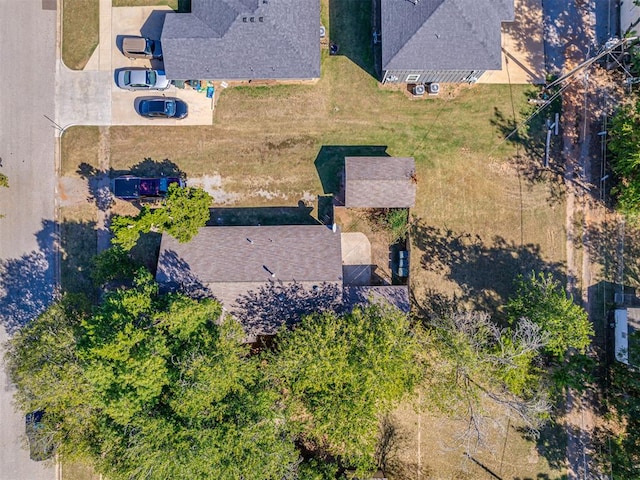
408 41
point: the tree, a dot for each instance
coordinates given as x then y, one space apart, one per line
182 213
151 386
619 435
4 180
541 299
476 371
339 374
624 145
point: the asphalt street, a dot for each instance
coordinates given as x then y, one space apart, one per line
27 230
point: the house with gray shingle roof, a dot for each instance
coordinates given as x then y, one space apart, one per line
243 40
426 41
379 182
268 276
233 260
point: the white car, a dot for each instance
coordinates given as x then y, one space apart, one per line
142 80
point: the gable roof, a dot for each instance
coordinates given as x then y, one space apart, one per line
443 34
232 261
243 39
380 182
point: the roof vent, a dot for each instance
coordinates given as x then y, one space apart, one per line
252 19
244 19
261 19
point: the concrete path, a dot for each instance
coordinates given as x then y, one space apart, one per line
356 258
27 231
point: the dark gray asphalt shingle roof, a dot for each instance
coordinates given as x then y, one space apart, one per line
243 39
235 260
443 34
396 295
379 182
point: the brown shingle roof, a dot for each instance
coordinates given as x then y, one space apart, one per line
380 182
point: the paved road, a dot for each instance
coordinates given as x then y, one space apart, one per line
27 76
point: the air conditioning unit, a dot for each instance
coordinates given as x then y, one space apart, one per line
433 88
418 90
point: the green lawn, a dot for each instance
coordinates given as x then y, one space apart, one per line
80 31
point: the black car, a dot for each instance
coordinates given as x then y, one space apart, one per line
162 107
40 444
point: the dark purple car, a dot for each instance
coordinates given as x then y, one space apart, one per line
129 187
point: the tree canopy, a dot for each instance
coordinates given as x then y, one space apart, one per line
155 386
151 386
624 146
475 371
541 299
340 373
182 213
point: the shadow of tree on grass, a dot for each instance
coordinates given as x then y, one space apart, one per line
484 272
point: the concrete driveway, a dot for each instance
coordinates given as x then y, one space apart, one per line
522 47
91 97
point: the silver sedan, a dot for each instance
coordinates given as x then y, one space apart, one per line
142 80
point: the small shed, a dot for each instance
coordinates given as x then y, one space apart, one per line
627 321
379 182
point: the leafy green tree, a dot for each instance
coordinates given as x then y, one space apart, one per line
113 264
4 180
151 386
541 299
182 213
624 146
619 437
340 374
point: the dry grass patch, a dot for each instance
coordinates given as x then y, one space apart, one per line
80 31
425 447
78 471
80 145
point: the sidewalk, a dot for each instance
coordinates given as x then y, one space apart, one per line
81 96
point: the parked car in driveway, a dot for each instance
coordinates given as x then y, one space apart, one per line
142 79
162 107
141 47
130 187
